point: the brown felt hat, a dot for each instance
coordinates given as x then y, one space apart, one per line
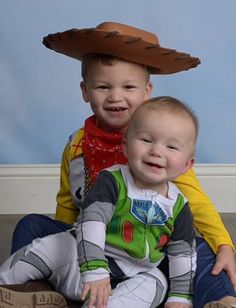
122 41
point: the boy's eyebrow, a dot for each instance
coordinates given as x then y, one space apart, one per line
100 80
179 142
138 132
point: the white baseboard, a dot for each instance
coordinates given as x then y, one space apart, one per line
28 188
33 188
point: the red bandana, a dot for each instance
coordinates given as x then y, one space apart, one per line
101 149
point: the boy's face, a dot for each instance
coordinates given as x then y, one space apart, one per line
114 92
159 148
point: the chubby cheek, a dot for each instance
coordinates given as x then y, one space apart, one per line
176 162
136 102
133 152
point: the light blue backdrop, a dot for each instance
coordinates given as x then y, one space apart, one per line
40 98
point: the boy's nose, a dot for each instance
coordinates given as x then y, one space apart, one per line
156 151
115 95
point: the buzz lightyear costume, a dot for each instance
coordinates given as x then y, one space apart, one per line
122 232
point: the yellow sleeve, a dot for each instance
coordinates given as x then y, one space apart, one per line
206 219
65 211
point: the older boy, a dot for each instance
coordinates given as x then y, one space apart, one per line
80 166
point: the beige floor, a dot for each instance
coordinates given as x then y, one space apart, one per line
8 222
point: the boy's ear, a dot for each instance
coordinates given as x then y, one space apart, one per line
124 144
84 91
189 164
148 90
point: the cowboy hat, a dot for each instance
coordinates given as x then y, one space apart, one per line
122 41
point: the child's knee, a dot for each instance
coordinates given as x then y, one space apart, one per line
28 223
143 290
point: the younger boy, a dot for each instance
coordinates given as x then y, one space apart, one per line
98 144
132 216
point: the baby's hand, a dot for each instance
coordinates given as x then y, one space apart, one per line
178 305
99 292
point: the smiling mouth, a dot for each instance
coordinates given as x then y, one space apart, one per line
116 109
154 165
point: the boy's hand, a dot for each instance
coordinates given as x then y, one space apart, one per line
99 292
178 305
225 261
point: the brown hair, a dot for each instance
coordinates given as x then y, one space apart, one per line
91 58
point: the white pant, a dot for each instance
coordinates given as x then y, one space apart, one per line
55 258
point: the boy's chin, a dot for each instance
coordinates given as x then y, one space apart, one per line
114 128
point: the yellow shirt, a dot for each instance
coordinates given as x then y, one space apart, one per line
206 219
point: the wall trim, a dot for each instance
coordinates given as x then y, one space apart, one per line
32 188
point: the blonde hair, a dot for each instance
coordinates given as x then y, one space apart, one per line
167 104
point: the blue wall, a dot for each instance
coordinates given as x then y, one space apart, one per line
40 100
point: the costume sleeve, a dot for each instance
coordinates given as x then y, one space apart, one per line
65 211
206 219
96 212
181 253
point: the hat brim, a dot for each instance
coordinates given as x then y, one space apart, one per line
75 43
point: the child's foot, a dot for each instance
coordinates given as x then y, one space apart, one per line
226 302
37 299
